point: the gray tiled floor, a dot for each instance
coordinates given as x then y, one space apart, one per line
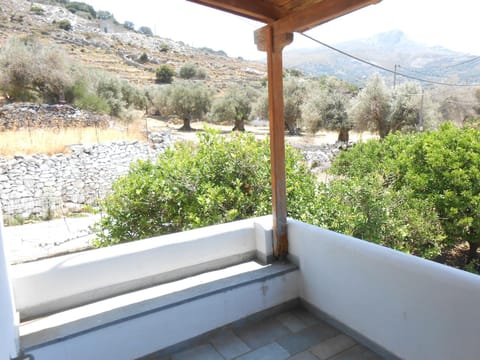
293 335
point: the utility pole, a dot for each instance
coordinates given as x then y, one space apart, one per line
395 76
421 111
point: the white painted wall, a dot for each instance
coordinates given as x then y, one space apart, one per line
154 331
60 283
8 319
414 308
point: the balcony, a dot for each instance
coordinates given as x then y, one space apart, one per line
182 292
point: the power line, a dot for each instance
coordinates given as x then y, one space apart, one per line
384 68
476 58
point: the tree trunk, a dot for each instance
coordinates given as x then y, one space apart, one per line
472 251
343 135
292 130
186 125
239 125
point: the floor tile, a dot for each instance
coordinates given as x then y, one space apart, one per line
306 355
357 352
307 337
305 316
332 346
256 335
201 352
228 344
291 322
268 352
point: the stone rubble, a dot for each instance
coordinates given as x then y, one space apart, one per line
319 157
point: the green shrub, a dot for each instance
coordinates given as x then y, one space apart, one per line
164 47
81 8
188 71
143 58
145 30
64 25
366 209
37 10
164 74
129 25
220 179
201 74
81 97
32 71
442 167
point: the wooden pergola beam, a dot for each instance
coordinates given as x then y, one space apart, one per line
253 9
318 13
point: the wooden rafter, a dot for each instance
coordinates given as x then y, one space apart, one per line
318 13
288 15
256 10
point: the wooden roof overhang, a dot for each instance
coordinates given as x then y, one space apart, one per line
282 19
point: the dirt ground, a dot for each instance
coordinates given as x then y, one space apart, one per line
258 127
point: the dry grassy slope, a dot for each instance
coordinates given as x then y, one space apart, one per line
117 51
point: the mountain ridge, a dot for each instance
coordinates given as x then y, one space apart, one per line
388 49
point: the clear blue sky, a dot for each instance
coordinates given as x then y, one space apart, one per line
452 24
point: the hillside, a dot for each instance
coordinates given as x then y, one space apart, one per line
387 49
109 46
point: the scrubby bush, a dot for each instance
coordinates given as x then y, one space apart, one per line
145 30
188 71
105 15
64 25
220 179
37 10
129 25
17 61
200 74
80 96
164 74
81 8
143 58
164 47
31 71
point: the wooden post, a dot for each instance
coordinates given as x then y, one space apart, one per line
267 40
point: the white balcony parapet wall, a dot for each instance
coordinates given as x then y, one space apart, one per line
140 323
57 284
8 318
413 308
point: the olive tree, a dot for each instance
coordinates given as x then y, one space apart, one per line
326 107
235 105
371 107
187 100
293 96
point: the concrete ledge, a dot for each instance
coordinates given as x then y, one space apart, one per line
160 316
57 284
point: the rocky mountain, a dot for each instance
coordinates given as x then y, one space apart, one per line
388 49
107 45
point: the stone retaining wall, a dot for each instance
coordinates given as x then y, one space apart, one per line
21 116
41 185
